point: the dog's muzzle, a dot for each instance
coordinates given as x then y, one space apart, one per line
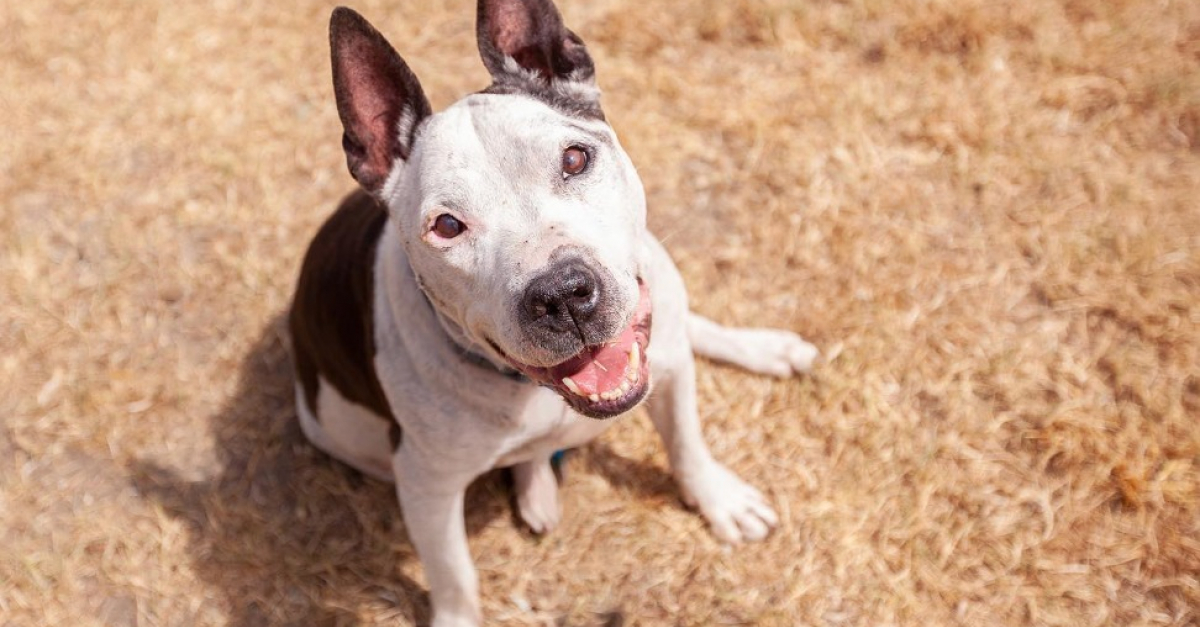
603 370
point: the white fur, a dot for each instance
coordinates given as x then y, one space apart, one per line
484 159
347 431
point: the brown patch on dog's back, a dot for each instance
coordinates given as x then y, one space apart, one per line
331 321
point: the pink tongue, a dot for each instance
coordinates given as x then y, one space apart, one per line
598 370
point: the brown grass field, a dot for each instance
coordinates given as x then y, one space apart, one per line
986 214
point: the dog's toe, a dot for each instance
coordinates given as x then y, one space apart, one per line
752 527
787 353
801 355
541 516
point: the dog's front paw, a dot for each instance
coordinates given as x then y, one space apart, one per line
736 510
537 495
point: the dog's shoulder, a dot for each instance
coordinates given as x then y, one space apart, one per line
331 320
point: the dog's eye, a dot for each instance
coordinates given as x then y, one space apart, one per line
574 161
448 226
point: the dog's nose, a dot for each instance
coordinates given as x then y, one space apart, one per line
564 298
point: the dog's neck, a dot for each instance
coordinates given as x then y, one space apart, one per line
463 346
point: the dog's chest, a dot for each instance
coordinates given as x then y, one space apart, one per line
540 435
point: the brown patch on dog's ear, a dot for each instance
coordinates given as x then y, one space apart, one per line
379 99
531 32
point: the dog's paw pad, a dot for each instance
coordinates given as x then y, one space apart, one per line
537 496
736 510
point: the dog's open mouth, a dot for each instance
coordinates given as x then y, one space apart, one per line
606 379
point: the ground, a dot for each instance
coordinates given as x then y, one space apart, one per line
984 213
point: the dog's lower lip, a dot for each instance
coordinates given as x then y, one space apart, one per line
612 406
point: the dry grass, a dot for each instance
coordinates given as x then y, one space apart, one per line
986 213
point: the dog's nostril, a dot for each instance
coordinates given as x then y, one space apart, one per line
583 291
542 306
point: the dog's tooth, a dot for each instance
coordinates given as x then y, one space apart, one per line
570 384
624 389
593 397
635 357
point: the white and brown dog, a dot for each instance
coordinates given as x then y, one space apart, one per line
486 301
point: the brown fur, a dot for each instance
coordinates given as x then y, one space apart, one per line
330 320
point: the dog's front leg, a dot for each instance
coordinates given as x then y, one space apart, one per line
735 510
432 505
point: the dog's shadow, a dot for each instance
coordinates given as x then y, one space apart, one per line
289 536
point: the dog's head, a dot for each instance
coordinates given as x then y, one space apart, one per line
521 215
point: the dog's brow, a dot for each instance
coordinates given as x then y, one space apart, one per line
443 203
593 132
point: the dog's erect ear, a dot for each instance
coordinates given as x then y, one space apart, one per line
378 98
531 34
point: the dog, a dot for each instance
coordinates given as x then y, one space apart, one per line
488 296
